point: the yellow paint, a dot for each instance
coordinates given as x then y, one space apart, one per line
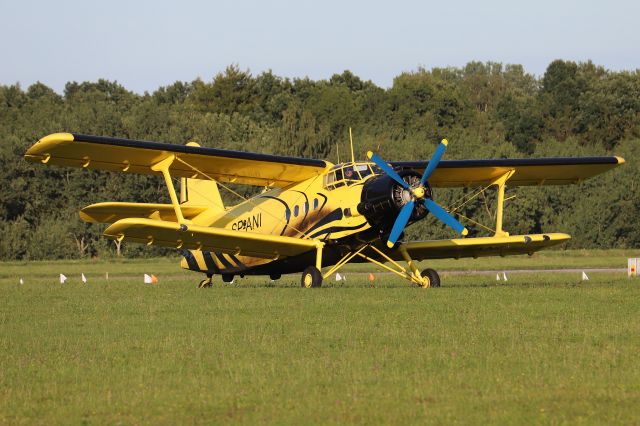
284 219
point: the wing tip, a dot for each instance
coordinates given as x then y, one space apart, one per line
620 160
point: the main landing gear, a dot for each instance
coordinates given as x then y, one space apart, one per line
311 277
425 279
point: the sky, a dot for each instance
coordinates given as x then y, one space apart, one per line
147 44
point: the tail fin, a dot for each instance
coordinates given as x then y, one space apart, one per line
198 192
203 193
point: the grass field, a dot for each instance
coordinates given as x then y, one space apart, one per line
541 348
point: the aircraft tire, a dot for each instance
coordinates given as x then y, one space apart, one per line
311 278
206 283
434 278
227 278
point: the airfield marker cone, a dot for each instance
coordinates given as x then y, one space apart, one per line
584 276
338 276
106 276
154 279
21 281
63 278
147 279
504 276
372 277
497 277
84 279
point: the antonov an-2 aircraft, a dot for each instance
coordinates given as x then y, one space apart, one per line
312 217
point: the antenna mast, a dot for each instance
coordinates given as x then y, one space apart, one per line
353 158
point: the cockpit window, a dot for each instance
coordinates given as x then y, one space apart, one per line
349 174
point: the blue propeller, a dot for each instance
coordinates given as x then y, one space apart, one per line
418 195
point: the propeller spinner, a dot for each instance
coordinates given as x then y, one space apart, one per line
418 195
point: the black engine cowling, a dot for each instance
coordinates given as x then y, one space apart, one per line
382 199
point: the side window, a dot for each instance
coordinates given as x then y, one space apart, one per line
315 204
329 179
287 215
306 207
296 211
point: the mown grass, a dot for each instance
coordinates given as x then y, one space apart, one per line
543 348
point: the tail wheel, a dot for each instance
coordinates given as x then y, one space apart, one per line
206 283
432 275
311 277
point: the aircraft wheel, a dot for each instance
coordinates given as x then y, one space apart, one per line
206 283
432 275
275 276
227 278
311 277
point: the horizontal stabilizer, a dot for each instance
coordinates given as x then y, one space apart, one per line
239 243
112 212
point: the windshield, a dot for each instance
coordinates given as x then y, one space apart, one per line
349 174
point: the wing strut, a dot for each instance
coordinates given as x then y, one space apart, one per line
501 183
163 167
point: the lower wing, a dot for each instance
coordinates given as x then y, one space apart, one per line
477 247
239 243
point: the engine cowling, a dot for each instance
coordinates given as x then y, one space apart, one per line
382 198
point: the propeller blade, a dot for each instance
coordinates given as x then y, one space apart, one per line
400 223
444 216
435 159
387 169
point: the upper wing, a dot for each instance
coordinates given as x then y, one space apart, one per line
527 171
170 234
105 153
477 247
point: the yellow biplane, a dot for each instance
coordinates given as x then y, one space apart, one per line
312 216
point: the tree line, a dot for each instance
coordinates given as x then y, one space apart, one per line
486 110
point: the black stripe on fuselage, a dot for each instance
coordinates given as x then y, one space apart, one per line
287 212
237 261
331 217
191 260
208 259
223 260
337 229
